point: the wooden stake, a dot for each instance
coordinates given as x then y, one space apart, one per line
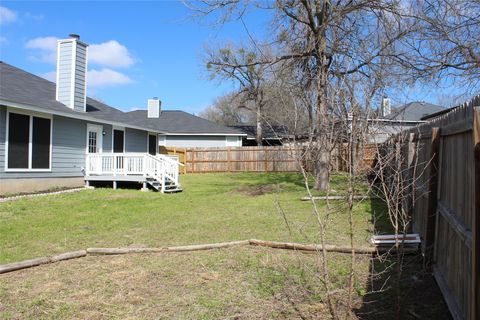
432 198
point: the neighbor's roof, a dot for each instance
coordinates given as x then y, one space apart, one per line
269 132
23 88
414 111
180 122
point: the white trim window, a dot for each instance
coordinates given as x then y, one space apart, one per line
28 142
232 141
162 140
94 138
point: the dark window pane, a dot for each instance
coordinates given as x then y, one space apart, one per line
92 142
18 137
41 143
152 144
118 141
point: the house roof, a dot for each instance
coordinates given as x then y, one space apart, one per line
180 122
269 132
414 111
23 88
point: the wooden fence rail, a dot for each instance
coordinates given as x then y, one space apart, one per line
443 158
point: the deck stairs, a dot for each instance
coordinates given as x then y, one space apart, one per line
169 186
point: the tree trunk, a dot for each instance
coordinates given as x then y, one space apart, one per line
259 135
322 167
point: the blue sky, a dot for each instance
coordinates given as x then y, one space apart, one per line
138 49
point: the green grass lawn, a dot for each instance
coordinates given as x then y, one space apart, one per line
239 283
212 208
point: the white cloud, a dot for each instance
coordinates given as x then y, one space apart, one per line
110 54
97 78
106 54
45 49
106 78
7 15
3 40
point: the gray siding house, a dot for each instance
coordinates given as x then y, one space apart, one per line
394 120
182 129
54 136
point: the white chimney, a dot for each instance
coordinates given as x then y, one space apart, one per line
72 73
386 109
154 106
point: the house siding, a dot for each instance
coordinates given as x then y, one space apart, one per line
65 72
136 140
68 148
79 86
196 141
3 128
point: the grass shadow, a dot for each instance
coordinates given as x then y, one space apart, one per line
410 294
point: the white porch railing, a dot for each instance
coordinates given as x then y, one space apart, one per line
159 167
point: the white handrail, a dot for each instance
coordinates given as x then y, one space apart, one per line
159 167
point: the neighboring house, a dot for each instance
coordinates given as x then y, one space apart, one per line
272 135
392 121
182 129
54 136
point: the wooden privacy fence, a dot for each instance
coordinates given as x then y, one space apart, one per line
258 159
243 159
443 160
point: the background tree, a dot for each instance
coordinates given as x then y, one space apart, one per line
226 111
238 64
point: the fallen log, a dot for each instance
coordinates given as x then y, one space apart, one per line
329 248
110 251
338 198
39 261
312 248
198 247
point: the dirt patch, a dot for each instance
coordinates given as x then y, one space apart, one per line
257 190
418 298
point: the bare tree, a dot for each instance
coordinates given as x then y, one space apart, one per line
226 110
320 40
238 64
446 42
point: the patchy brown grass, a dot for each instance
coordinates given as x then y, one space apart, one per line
235 283
244 283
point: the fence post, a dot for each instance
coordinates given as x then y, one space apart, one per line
476 218
193 160
412 156
432 198
265 154
229 168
